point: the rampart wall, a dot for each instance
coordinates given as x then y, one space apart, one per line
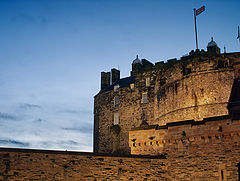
24 164
208 149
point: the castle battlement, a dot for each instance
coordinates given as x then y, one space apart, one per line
155 139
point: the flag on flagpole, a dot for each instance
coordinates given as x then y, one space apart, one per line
196 12
199 11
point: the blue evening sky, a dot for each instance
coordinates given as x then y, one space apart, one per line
52 53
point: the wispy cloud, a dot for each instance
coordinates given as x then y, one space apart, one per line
69 111
14 143
30 106
63 145
7 116
83 129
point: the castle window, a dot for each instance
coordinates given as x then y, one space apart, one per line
116 118
186 71
238 166
162 81
147 81
116 101
221 64
144 98
116 88
222 173
131 86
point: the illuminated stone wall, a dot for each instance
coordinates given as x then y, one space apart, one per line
204 92
24 164
192 88
203 150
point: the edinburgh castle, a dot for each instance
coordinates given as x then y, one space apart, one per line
173 120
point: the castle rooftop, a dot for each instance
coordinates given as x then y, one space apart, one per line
124 82
136 61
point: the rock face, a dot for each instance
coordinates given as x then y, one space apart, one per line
195 87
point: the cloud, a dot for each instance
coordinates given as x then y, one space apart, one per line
7 116
13 143
86 112
83 129
63 145
30 106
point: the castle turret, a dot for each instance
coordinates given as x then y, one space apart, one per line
212 48
136 66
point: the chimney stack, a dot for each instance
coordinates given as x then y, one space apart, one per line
105 80
115 75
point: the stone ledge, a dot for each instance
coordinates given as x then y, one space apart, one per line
180 123
24 150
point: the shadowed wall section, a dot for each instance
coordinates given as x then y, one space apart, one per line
26 164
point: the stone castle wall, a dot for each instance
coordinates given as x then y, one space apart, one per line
155 140
24 164
201 95
205 150
130 115
191 88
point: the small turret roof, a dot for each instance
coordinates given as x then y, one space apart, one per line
136 61
212 43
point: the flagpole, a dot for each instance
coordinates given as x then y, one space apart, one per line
195 21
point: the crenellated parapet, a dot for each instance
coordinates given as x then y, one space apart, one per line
184 136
